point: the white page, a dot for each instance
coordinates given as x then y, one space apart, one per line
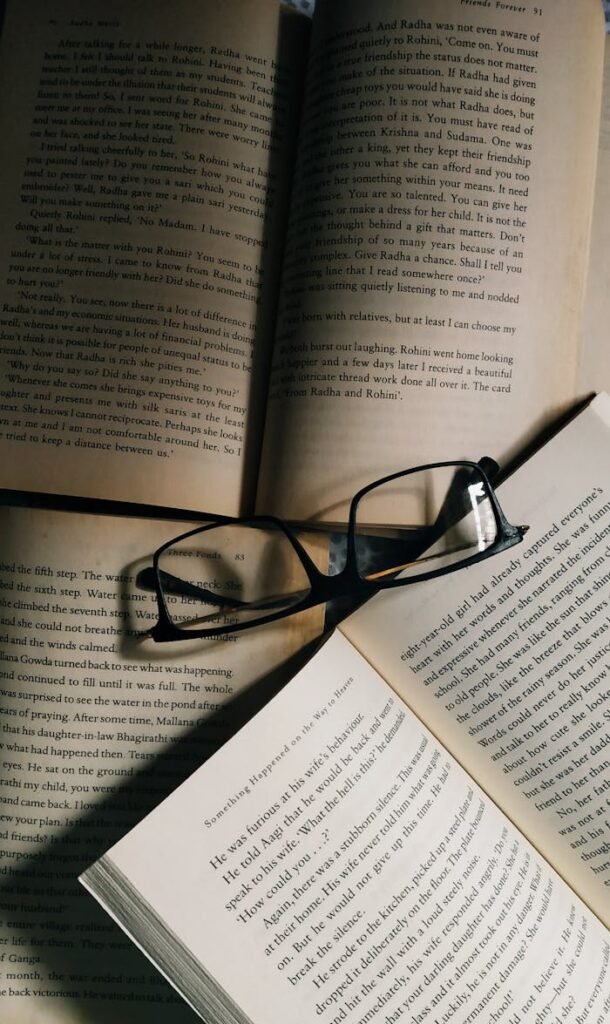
356 870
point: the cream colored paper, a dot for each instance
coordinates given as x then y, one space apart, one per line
436 257
96 726
507 661
141 220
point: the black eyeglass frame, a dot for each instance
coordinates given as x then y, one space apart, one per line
347 582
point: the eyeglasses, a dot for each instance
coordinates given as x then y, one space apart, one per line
228 576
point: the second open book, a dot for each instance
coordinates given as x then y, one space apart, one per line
433 252
417 827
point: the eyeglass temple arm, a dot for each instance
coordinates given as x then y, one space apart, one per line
174 585
381 573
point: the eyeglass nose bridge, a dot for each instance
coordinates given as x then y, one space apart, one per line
334 584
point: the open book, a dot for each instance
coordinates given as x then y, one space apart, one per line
430 236
416 828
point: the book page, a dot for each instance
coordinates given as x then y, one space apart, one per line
595 360
143 207
96 726
508 660
434 272
358 870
